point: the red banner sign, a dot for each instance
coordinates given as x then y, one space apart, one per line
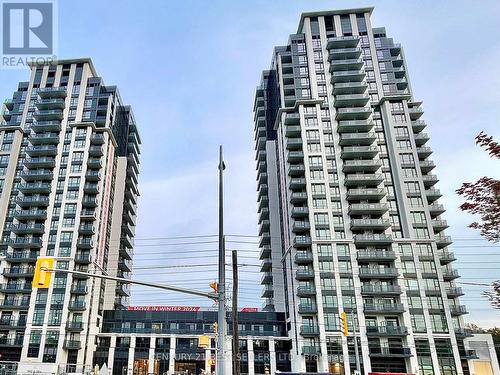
164 308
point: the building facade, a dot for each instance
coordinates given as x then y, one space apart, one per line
68 189
350 219
161 342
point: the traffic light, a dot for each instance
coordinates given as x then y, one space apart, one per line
343 319
41 278
215 286
204 342
215 327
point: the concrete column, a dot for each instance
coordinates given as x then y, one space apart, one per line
131 353
251 357
111 353
272 357
171 356
151 359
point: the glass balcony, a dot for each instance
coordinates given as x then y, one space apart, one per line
292 118
346 64
13 272
358 87
52 92
15 340
296 170
48 114
380 289
454 292
15 303
457 310
308 308
388 330
77 306
436 209
361 139
300 226
294 143
363 194
354 126
88 214
298 197
342 42
390 351
262 178
376 255
263 202
344 53
92 176
41 162
443 241
293 131
95 151
79 289
383 308
25 228
415 112
263 214
353 113
44 139
309 330
42 150
15 287
370 180
74 326
344 76
35 214
38 187
37 175
83 259
300 212
439 225
27 201
295 156
418 125
350 166
266 265
267 291
21 256
352 152
43 126
304 274
372 239
23 242
297 183
368 208
264 226
266 278
72 344
84 243
97 139
94 163
265 252
449 275
302 241
369 224
378 272
306 291
311 350
424 152
430 180
345 100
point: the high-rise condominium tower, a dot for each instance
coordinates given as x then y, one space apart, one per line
68 189
349 215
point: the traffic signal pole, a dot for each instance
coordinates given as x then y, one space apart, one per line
172 288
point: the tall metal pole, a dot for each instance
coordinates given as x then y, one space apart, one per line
236 336
221 319
356 351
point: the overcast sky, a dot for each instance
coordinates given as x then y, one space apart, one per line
189 70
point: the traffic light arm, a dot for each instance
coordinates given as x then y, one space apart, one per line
172 288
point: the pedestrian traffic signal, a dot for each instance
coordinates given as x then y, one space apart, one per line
343 319
42 276
215 286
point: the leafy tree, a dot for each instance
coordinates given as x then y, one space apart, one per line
482 198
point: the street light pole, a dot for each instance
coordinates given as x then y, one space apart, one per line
221 318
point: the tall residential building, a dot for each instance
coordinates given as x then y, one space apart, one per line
68 189
348 209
